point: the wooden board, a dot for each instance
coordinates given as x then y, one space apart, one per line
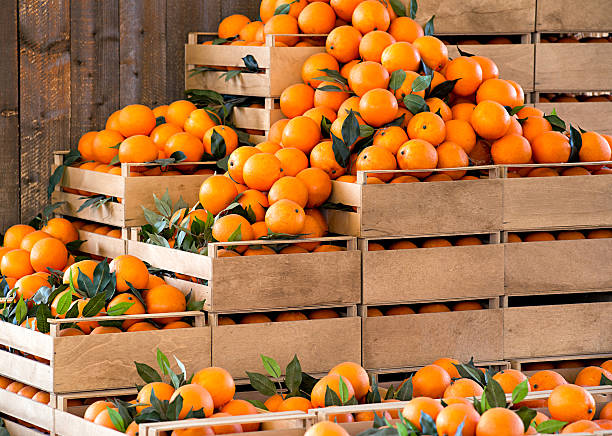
319 344
67 424
561 67
595 117
417 209
130 51
256 118
433 274
557 202
101 245
478 17
548 267
413 340
28 410
568 329
516 61
15 429
564 16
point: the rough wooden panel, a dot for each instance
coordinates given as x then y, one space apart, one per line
28 371
111 213
44 49
590 116
566 16
25 340
15 429
255 118
112 357
515 61
319 344
549 202
131 50
477 17
433 274
250 8
571 329
154 53
534 267
24 408
9 116
561 67
413 340
101 245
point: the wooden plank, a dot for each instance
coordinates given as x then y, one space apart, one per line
580 265
154 41
563 16
255 85
44 92
255 118
237 348
463 335
248 8
433 274
576 329
516 61
111 357
557 202
595 117
26 370
131 50
67 424
172 260
478 17
26 340
228 56
9 116
101 245
110 213
286 66
98 183
15 429
560 67
26 409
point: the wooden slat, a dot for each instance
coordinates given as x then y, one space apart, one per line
154 49
248 8
69 424
26 409
564 16
463 335
573 328
110 213
172 260
433 274
131 50
101 245
543 267
286 66
255 118
15 429
87 180
9 116
595 117
44 32
28 371
26 340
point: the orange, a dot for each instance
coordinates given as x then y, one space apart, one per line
229 135
160 111
178 112
417 154
102 143
498 90
356 375
490 120
405 29
47 253
163 392
370 16
268 147
461 133
240 408
509 379
86 267
319 218
95 408
463 387
163 299
569 235
529 111
468 72
41 397
256 318
276 130
295 404
237 160
390 138
136 308
606 412
138 148
448 365
27 391
499 421
319 185
582 426
520 94
256 200
218 382
378 107
594 148
112 123
141 327
569 402
343 42
216 193
326 428
534 126
177 325
27 286
428 127
290 316
332 381
546 380
195 397
330 99
297 6
232 25
404 245
260 171
273 403
15 234
129 268
30 239
198 123
511 149
294 249
136 119
225 226
399 310
451 155
373 45
433 52
283 24
317 114
489 68
453 415
85 145
293 160
551 147
349 104
377 158
311 69
317 17
576 171
539 236
591 376
296 99
418 405
252 32
285 216
542 172
366 76
344 8
430 381
434 307
62 229
437 105
103 418
322 156
463 111
400 56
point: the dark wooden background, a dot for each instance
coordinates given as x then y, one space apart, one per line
66 65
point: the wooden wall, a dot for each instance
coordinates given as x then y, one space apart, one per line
66 65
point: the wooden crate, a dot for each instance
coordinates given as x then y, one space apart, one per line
570 67
111 357
562 329
281 67
533 203
260 283
417 209
595 117
432 274
558 266
28 410
516 61
568 373
101 245
17 429
255 118
413 340
135 192
319 344
564 16
478 17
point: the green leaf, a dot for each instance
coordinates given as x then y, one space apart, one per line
398 7
331 398
271 366
94 305
415 104
390 393
550 426
558 125
251 64
114 160
236 235
282 9
259 404
147 374
470 371
64 303
397 80
325 127
443 89
494 394
414 7
119 309
575 144
116 419
527 415
464 53
163 362
365 131
330 88
350 129
515 110
43 313
605 381
429 26
428 425
293 375
195 306
342 153
308 382
21 310
520 392
421 83
404 393
229 75
343 390
332 76
261 384
223 162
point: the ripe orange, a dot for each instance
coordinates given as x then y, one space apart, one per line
311 69
498 90
129 268
332 381
95 408
252 32
162 133
463 111
228 134
295 404
85 145
437 105
237 160
490 120
62 229
366 76
489 68
296 99
451 155
463 387
509 379
289 188
378 107
569 402
356 375
257 201
417 154
136 119
285 25
317 18
260 171
390 138
240 408
218 382
551 147
179 111
582 426
296 6
430 381
533 126
594 148
319 185
292 160
185 142
216 193
591 376
326 428
511 149
500 421
82 267
15 234
163 299
373 45
329 99
405 29
546 380
137 307
433 52
232 25
285 216
199 122
163 391
275 134
377 158
343 42
468 72
102 143
370 16
400 56
137 148
225 226
418 405
448 365
428 127
195 397
30 239
453 415
461 133
27 286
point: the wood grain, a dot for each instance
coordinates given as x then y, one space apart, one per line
595 117
433 274
69 424
570 329
24 408
15 429
131 50
248 8
101 245
564 16
9 116
28 371
26 340
414 340
44 92
154 53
